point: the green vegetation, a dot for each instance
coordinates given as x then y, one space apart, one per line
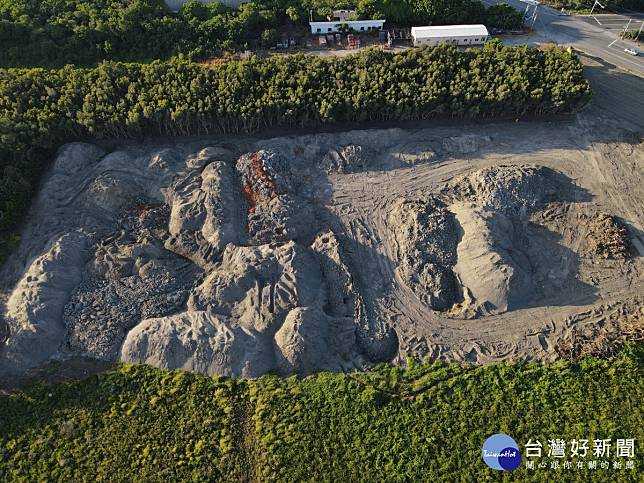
131 424
424 423
8 242
636 35
40 109
439 12
52 33
504 16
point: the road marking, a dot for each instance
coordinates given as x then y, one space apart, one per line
621 57
597 20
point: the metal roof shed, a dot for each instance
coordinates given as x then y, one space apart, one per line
450 34
356 25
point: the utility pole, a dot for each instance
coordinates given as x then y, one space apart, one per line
626 28
530 14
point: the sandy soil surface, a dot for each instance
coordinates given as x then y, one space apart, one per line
333 251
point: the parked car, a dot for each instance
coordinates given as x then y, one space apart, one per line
632 51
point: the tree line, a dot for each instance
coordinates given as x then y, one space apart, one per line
41 108
52 33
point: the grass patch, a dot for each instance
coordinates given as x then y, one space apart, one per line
427 422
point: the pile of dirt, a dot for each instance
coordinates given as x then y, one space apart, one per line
130 276
275 211
426 236
170 273
347 159
465 249
328 251
512 190
205 208
606 236
492 207
261 308
35 308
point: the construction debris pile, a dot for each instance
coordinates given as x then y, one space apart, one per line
275 213
328 251
426 239
606 235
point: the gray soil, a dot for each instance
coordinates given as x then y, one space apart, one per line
330 251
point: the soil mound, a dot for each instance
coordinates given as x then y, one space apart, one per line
606 236
329 251
426 235
205 261
468 245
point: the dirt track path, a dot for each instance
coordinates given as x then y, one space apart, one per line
608 165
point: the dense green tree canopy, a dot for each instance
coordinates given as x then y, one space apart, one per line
503 16
53 33
39 108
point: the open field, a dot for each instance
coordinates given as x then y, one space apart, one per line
135 423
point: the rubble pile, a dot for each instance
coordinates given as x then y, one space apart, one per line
275 211
426 237
131 277
327 251
347 159
606 236
464 251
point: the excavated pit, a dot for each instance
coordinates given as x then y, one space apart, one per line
323 252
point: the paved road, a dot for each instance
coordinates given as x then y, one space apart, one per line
586 34
614 22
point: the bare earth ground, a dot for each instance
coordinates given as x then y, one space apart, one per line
334 251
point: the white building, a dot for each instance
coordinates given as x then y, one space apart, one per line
175 5
356 25
450 34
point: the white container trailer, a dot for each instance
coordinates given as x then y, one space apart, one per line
357 26
450 34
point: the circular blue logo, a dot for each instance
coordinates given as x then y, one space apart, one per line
501 452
